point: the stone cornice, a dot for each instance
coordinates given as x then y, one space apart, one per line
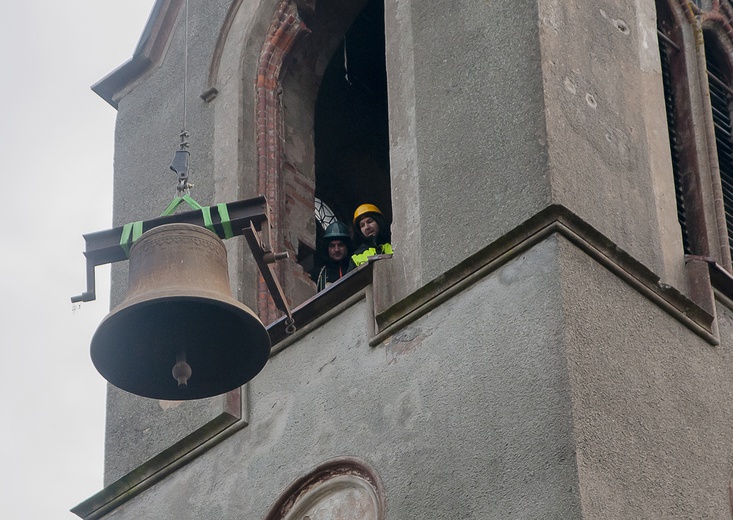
148 54
553 219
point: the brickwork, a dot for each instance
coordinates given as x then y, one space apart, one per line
284 30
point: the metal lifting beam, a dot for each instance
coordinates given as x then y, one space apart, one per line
245 216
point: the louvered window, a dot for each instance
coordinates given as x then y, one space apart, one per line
667 51
721 96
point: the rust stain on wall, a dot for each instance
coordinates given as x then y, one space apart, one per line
403 343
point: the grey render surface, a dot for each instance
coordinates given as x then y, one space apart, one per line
464 414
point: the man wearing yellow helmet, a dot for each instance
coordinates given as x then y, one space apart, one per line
371 228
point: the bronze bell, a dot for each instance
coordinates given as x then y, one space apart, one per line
179 334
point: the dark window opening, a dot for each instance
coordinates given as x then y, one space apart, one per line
351 133
681 127
668 50
721 95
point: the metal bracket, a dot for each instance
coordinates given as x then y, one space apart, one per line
264 259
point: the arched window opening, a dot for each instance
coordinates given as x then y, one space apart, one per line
322 127
341 488
351 134
721 97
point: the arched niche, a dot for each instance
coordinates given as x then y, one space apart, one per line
342 489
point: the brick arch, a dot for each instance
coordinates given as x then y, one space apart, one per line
289 74
285 29
719 13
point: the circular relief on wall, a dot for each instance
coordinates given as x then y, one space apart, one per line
342 489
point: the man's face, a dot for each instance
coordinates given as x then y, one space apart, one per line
336 250
369 227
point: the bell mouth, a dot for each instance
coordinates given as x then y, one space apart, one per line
137 345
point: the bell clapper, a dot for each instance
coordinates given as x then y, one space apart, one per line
181 370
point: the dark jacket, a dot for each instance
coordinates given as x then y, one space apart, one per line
331 272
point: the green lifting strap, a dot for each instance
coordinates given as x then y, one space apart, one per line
208 223
226 222
205 210
177 201
130 233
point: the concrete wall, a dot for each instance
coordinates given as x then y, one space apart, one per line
501 108
650 401
609 158
464 414
469 155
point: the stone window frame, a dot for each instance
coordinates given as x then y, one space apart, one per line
708 268
718 41
697 176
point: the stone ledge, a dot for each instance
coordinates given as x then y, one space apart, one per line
148 54
553 219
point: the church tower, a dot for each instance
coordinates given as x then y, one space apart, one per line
552 336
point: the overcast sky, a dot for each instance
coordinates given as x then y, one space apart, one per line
56 152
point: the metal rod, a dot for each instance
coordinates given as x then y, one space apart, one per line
185 68
667 39
259 252
720 83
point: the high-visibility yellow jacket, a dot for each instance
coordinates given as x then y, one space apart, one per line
362 254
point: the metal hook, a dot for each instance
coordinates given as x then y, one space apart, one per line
290 325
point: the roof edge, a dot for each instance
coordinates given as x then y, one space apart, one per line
147 55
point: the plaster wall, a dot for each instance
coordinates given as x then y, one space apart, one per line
463 414
650 401
471 142
609 158
498 109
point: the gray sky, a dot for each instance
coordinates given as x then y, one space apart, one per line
56 152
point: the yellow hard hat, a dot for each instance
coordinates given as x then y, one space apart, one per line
363 209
